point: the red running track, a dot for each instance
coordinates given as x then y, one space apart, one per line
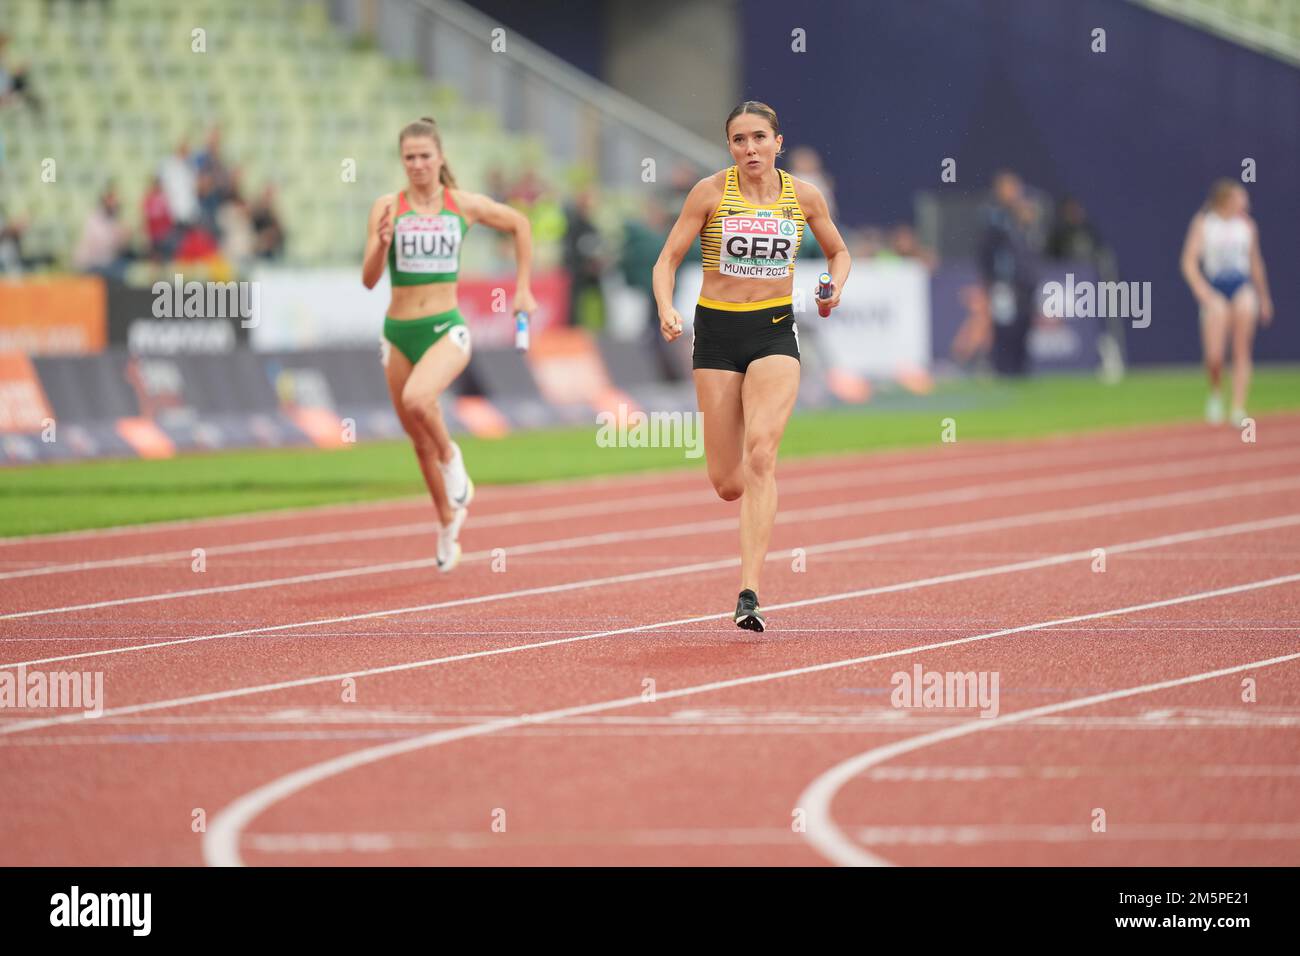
576 694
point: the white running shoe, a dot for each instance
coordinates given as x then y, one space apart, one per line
448 554
1214 409
1238 417
460 489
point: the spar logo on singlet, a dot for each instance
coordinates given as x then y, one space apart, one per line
758 246
427 244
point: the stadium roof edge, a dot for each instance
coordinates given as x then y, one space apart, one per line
599 95
1253 36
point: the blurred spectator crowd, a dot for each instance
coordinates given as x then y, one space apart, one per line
197 211
194 211
1019 235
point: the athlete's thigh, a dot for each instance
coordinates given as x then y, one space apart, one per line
397 370
1214 330
439 366
771 387
1245 310
718 393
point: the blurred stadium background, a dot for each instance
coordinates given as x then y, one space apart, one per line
244 141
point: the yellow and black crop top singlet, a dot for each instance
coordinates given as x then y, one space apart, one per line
749 241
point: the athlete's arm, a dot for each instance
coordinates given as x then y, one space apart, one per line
700 203
379 235
1203 291
497 215
1259 277
817 212
818 215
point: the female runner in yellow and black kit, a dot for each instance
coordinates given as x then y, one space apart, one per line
417 234
750 219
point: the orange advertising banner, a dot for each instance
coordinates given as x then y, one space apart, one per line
65 315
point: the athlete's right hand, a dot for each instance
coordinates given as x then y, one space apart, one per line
670 324
385 231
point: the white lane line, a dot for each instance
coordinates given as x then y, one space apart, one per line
385 842
831 842
1083 479
1248 527
562 730
980 834
574 629
221 842
826 512
971 773
856 477
803 515
151 730
1172 499
959 835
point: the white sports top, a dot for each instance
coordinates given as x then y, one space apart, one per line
1225 245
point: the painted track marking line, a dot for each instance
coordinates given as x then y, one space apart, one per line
19 726
955 835
825 512
221 841
831 842
648 503
1109 508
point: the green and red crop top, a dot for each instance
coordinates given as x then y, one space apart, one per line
426 246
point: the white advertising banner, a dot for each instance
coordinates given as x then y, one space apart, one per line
882 324
330 308
316 308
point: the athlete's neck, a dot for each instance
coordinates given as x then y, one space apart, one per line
764 188
424 197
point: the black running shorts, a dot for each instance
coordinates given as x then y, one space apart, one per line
733 337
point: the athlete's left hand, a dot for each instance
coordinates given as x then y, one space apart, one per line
524 301
1266 311
832 302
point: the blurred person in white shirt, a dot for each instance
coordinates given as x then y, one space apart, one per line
180 183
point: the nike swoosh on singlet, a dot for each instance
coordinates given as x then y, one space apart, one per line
780 318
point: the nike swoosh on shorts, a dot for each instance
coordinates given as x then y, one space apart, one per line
780 318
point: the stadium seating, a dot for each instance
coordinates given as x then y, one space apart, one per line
1273 25
121 84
